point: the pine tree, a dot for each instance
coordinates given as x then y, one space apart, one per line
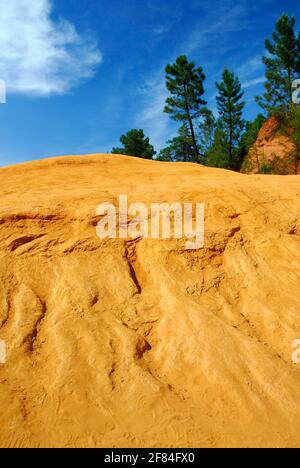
217 154
282 67
230 107
180 148
207 131
135 144
166 154
185 84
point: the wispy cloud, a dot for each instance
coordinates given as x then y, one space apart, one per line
152 118
251 66
254 82
40 56
160 30
221 19
251 72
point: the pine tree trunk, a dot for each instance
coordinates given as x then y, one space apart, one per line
194 139
197 159
230 142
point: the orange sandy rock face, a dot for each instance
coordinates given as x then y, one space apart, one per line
141 343
273 151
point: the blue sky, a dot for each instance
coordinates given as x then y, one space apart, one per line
81 73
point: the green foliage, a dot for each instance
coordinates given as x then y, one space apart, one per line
265 168
135 144
295 124
282 67
290 126
185 104
165 154
217 154
230 107
248 139
180 148
207 131
225 142
252 130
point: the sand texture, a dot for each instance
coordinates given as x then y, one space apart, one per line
141 343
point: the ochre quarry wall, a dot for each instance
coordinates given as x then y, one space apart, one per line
141 343
273 151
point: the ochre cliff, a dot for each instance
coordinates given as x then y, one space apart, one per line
142 343
274 151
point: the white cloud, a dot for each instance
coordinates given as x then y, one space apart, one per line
219 21
154 121
252 65
249 69
160 30
40 56
254 82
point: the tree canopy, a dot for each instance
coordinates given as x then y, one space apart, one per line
185 104
282 66
135 144
230 107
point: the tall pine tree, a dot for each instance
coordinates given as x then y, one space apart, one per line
282 67
230 107
185 84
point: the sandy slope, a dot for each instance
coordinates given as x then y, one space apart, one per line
116 343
